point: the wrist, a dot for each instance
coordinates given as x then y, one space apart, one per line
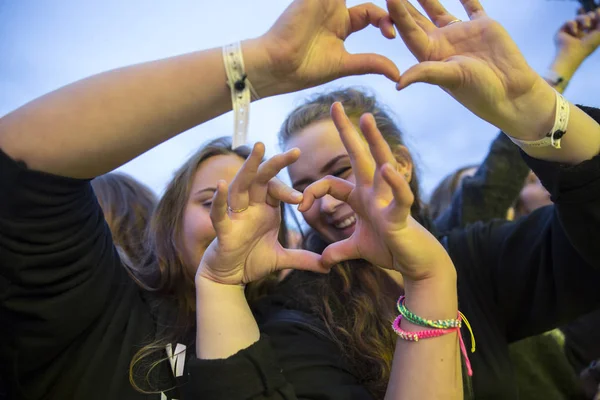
565 65
435 297
204 280
532 115
259 68
566 62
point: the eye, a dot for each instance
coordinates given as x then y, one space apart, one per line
207 204
342 172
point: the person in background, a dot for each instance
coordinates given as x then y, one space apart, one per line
441 197
591 380
127 205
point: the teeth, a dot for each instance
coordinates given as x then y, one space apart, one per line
347 222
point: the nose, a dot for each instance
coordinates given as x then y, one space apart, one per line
329 204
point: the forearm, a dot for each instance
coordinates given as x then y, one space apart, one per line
225 324
99 123
429 368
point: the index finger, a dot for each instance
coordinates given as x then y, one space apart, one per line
362 163
369 14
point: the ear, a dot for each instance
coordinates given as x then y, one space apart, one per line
405 163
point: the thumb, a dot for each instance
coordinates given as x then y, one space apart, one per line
340 251
369 63
442 73
301 260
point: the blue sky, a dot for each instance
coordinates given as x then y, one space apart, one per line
47 44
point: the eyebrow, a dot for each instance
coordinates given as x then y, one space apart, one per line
208 189
325 168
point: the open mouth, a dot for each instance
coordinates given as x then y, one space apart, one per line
348 222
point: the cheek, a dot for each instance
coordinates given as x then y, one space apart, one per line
198 232
312 216
534 196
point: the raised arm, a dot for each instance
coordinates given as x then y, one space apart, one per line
387 236
93 126
478 64
575 41
493 189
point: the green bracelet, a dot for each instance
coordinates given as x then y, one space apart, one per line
415 319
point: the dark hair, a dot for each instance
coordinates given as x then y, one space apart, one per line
128 206
349 299
441 197
165 273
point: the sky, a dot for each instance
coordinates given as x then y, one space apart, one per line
47 44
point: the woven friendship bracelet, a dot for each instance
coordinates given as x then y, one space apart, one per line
415 319
415 336
440 328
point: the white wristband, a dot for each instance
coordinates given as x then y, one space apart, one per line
241 91
561 121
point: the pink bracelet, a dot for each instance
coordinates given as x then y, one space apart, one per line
415 336
432 333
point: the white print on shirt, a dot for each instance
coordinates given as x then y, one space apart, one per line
163 397
177 360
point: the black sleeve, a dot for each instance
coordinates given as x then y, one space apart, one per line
542 270
250 374
289 362
582 342
489 193
65 298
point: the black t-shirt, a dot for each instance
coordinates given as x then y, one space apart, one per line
72 318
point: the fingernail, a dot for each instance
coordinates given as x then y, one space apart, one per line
393 32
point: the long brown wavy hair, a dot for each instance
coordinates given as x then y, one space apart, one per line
356 299
127 205
164 272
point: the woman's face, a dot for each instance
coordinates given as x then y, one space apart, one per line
323 153
198 231
533 195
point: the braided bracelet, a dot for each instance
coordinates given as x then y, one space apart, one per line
441 327
437 324
415 319
415 336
